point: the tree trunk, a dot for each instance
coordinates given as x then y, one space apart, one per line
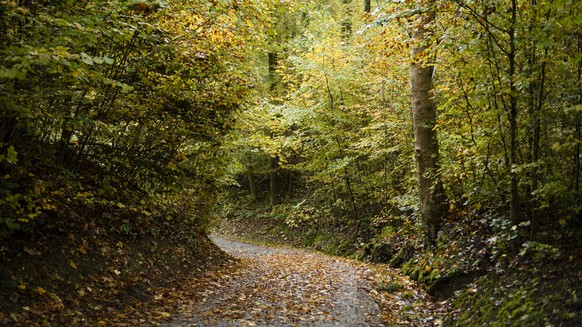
367 6
252 185
513 194
576 157
346 25
275 174
425 138
273 80
275 182
578 132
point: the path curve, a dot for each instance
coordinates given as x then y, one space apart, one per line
273 286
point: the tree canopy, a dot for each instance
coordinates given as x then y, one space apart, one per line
143 92
382 123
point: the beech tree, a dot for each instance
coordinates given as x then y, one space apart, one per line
426 149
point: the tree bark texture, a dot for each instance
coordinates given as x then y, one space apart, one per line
275 174
273 82
514 193
252 185
425 138
367 6
275 196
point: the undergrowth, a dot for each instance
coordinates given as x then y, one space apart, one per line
285 224
486 268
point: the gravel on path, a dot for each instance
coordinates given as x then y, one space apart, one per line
276 286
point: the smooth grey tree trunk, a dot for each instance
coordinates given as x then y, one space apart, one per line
426 147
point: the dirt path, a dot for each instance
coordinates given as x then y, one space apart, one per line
284 287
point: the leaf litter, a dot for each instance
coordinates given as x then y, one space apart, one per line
276 286
271 286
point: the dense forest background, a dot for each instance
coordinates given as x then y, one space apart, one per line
327 158
294 122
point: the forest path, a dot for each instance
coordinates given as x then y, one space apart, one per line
274 286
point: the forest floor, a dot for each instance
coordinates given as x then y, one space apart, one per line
171 281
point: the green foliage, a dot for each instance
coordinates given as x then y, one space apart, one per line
297 225
333 128
474 124
540 251
526 301
390 287
517 305
341 122
142 93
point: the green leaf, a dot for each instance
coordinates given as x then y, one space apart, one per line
11 73
124 87
12 224
11 156
86 58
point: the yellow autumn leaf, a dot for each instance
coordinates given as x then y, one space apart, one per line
73 264
165 314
